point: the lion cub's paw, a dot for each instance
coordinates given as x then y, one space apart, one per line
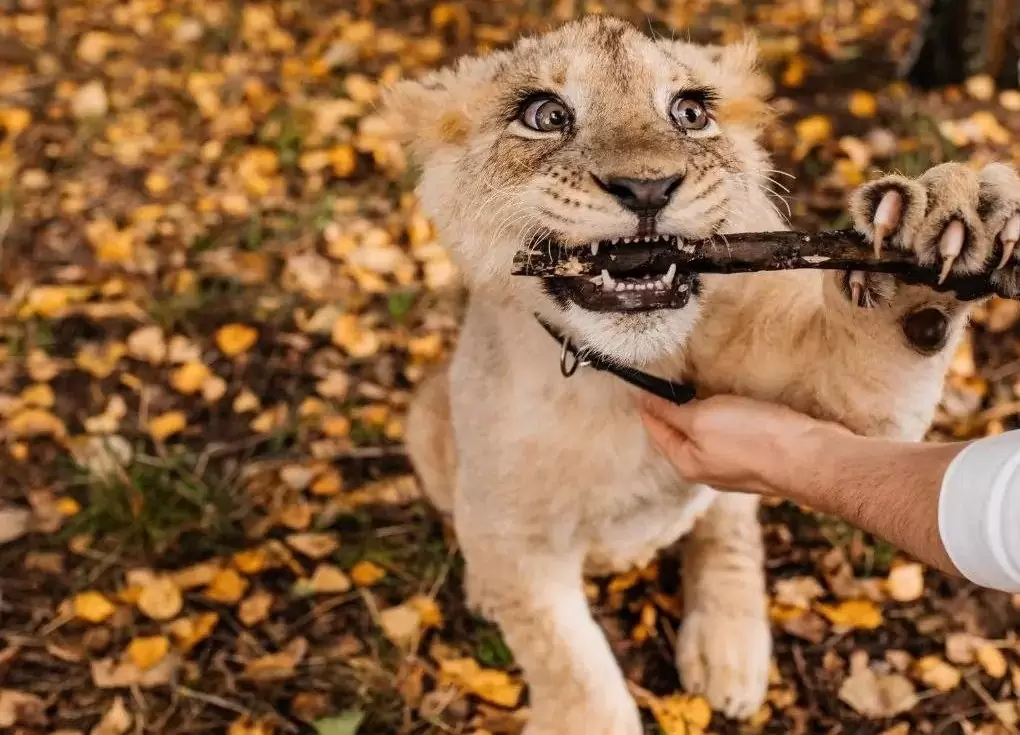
726 659
598 718
953 218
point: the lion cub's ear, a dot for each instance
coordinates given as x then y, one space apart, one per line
441 110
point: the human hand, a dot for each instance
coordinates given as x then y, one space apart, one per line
734 443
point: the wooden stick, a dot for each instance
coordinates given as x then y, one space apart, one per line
747 252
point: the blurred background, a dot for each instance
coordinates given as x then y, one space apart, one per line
217 292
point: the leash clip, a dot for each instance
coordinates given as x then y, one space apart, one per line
569 368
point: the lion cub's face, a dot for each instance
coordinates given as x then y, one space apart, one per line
593 136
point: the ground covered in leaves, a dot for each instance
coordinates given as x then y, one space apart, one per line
216 295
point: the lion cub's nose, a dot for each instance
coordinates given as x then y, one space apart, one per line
642 195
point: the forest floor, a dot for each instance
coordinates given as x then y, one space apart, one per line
217 292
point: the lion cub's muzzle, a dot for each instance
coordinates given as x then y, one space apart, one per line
622 286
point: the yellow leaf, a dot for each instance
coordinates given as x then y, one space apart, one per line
254 608
679 714
67 507
992 661
35 422
853 614
149 651
366 574
14 120
936 673
981 87
863 104
361 89
39 395
811 131
905 582
227 587
491 685
313 545
188 378
52 301
335 426
795 71
251 561
189 632
246 726
235 339
246 402
93 607
428 347
328 579
160 599
100 361
166 425
356 341
401 624
327 484
116 721
157 183
276 666
344 160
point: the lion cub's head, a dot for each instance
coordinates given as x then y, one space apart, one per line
583 136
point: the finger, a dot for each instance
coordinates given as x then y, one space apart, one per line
677 416
669 441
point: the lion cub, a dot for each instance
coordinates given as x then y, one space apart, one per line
590 134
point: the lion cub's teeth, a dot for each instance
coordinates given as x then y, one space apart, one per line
607 280
594 248
670 275
621 287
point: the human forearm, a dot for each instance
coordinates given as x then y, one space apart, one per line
890 489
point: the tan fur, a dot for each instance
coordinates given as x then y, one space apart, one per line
548 477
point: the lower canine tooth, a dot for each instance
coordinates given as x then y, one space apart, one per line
670 275
607 280
621 287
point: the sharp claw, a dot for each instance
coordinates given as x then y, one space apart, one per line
856 282
1009 236
950 246
887 217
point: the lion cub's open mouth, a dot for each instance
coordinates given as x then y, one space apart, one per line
621 285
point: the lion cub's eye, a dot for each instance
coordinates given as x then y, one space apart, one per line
545 114
689 113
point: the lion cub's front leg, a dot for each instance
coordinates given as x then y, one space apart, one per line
533 588
724 646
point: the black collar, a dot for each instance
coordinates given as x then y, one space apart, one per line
571 359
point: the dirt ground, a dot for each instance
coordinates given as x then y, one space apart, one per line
217 293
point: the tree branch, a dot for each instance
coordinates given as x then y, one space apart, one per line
747 252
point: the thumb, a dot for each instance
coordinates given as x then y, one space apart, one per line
671 443
677 416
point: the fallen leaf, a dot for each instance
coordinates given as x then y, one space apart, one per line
93 607
313 545
680 714
248 726
148 344
863 104
39 395
21 708
853 614
876 696
347 723
164 426
116 721
190 631
100 361
189 378
254 608
108 673
402 624
366 574
15 522
811 131
962 647
227 587
34 422
491 685
148 651
277 666
798 592
935 672
197 575
160 599
235 339
992 661
246 402
905 582
328 579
